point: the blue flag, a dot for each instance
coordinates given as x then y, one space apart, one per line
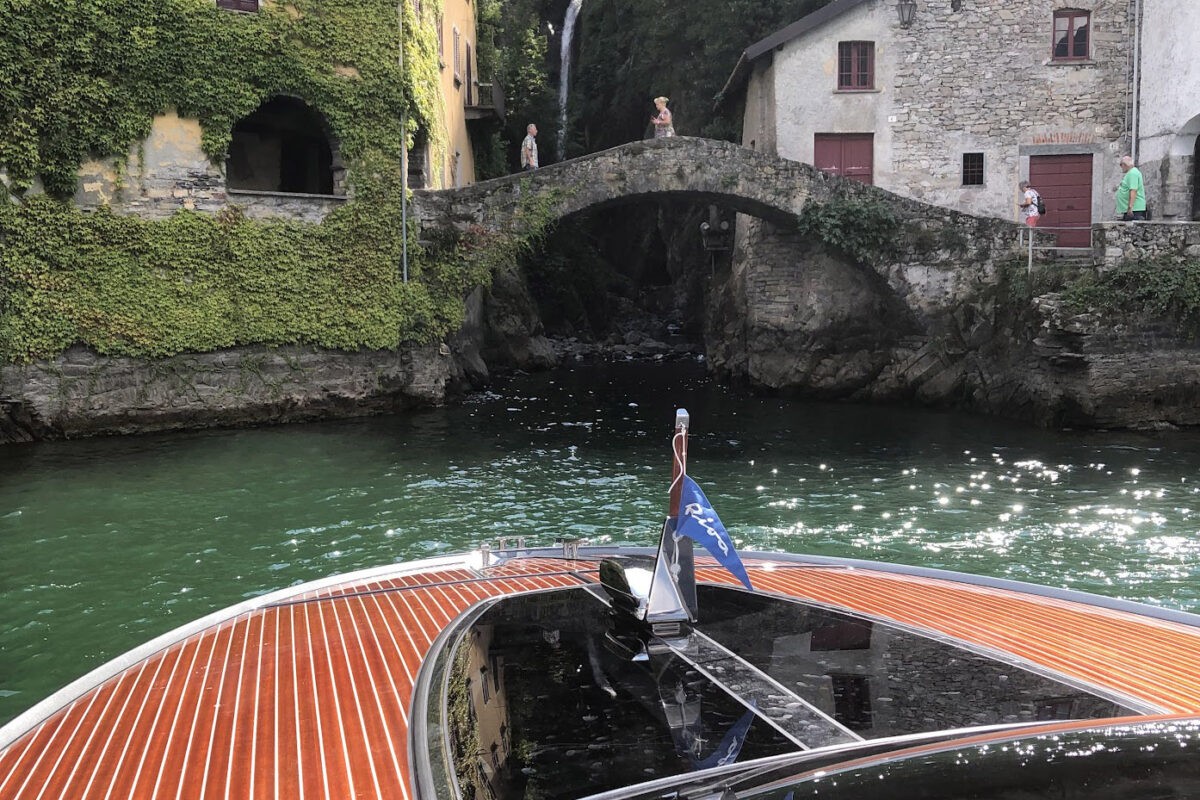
730 748
698 521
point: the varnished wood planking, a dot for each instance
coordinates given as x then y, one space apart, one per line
325 714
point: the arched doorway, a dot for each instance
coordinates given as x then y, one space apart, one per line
284 146
1195 180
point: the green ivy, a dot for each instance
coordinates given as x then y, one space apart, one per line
196 283
488 250
864 229
1165 288
85 78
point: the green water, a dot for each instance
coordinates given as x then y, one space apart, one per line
107 543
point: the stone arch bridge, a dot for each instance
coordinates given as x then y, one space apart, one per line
922 320
941 253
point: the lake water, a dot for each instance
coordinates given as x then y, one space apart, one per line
107 543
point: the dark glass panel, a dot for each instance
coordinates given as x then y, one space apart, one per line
972 169
1061 33
567 713
914 684
553 694
845 66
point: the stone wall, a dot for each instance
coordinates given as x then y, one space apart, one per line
81 393
1115 242
1168 118
794 318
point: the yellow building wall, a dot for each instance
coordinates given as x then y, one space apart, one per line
451 160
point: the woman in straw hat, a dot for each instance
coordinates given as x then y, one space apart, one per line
662 120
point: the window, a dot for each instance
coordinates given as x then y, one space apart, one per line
468 70
238 5
1071 35
972 169
852 701
457 59
856 66
441 37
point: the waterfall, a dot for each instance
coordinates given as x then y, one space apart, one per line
564 75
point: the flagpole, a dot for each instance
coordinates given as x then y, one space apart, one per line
678 460
678 549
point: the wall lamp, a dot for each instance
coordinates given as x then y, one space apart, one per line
907 10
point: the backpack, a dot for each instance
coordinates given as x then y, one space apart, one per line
1041 205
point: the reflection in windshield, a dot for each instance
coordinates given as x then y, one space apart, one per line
542 703
878 680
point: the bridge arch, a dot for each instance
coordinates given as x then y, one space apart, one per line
942 255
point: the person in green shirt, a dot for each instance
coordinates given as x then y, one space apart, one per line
1131 194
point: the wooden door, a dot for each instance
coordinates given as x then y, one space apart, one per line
851 155
1065 183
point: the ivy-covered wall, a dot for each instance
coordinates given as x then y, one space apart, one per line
84 79
195 282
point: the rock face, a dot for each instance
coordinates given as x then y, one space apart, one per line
82 393
945 329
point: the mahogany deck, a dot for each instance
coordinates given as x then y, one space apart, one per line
309 697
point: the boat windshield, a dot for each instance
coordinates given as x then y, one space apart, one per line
1136 760
552 694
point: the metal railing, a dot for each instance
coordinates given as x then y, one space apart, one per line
1027 238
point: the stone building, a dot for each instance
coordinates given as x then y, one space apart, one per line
284 157
1166 120
953 102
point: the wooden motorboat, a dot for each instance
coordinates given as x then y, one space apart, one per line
575 671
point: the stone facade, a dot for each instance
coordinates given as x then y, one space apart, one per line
1167 122
978 80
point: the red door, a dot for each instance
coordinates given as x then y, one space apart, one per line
850 155
1065 183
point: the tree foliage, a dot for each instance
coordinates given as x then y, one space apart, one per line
631 51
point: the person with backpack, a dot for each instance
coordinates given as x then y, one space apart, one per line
1031 205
